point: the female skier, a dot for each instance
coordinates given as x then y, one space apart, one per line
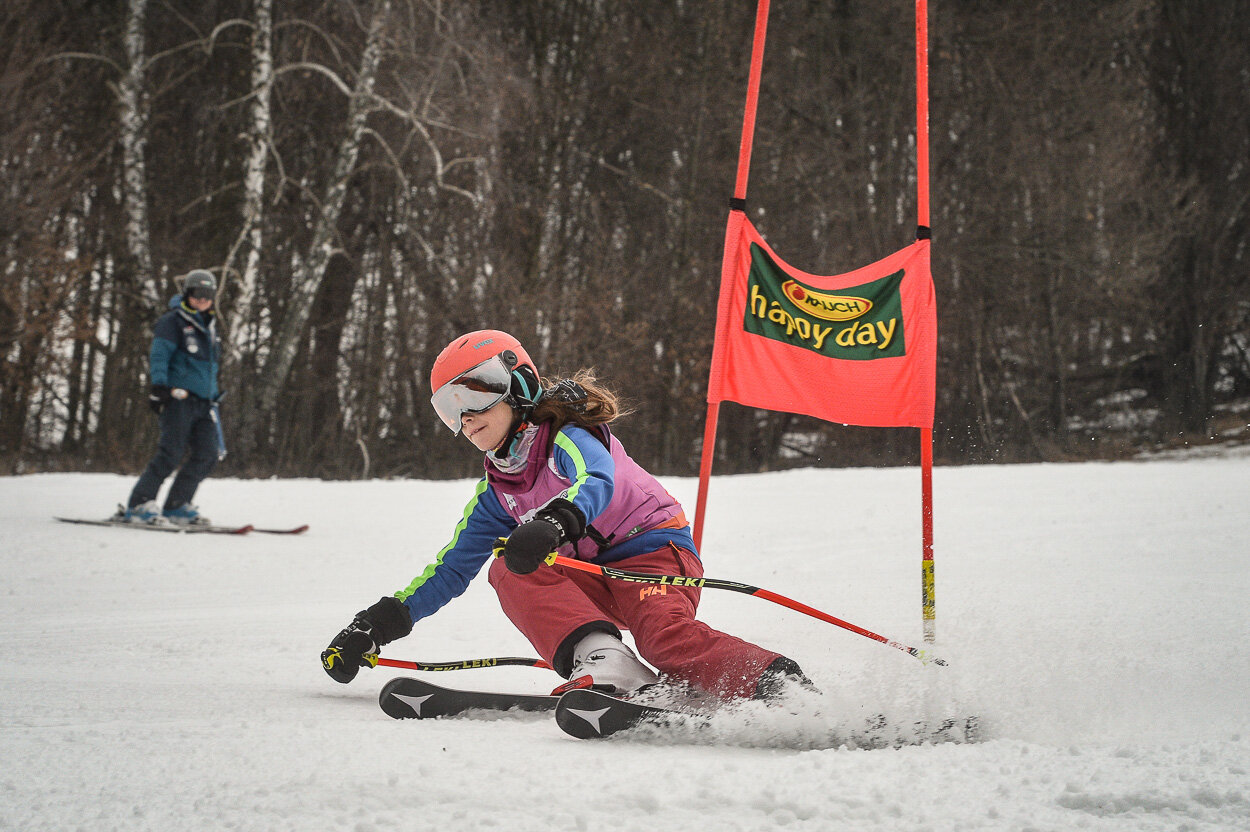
558 480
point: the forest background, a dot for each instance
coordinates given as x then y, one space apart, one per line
369 179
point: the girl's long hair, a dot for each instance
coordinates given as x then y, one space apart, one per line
599 407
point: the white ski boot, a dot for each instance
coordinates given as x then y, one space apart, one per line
603 662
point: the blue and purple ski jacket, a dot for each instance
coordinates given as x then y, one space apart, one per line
629 511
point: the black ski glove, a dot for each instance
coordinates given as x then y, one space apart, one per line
356 646
159 397
555 524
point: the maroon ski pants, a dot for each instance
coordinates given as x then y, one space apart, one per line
551 604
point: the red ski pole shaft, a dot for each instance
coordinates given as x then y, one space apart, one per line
747 589
464 664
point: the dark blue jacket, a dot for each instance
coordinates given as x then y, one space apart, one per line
185 351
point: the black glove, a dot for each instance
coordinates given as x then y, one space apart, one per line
356 646
555 524
159 397
346 653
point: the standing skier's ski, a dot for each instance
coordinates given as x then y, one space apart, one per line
295 530
588 714
408 698
188 529
161 527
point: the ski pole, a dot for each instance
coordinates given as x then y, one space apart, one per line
733 586
464 664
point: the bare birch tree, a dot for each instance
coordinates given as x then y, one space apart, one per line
250 242
133 101
309 274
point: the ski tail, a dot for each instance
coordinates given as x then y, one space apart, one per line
160 527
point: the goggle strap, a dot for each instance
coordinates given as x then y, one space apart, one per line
527 396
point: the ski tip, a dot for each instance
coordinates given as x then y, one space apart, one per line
295 530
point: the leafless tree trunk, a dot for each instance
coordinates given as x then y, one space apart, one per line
133 102
250 241
307 279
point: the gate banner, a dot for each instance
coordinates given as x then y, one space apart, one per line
858 348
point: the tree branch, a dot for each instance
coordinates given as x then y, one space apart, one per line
89 56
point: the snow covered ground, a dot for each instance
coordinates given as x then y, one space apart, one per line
1095 617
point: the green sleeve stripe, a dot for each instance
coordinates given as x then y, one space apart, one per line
579 463
404 593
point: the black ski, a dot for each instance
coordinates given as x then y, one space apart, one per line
408 698
295 530
161 527
588 714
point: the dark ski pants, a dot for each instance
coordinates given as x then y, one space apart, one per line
185 424
553 607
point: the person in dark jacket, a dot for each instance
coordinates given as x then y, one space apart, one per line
183 366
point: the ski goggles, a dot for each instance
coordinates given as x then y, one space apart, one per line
479 389
201 293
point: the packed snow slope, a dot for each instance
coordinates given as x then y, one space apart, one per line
1095 617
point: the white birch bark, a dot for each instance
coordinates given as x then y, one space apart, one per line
307 279
251 235
133 108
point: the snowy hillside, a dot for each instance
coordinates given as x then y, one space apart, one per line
1095 617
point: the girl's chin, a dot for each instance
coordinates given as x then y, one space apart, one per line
477 443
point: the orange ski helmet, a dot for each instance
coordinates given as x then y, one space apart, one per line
477 370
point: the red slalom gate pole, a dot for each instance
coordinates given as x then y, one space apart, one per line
734 586
731 234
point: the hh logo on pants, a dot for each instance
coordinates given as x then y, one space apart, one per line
647 591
